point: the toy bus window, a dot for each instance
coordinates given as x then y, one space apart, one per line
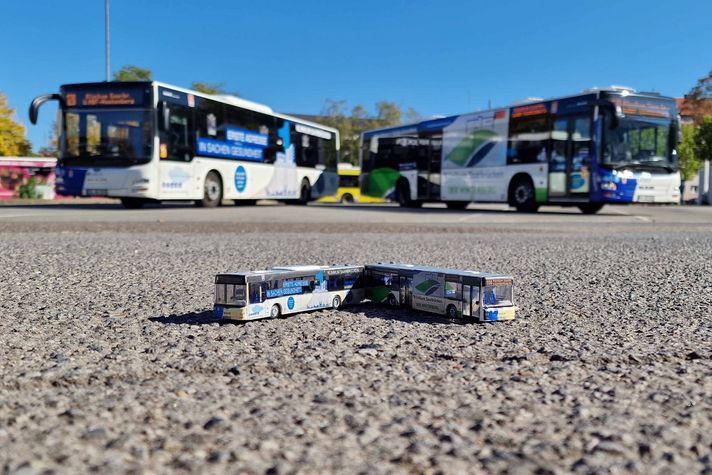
255 293
497 295
335 283
453 290
220 293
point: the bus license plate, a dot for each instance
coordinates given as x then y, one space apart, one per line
96 192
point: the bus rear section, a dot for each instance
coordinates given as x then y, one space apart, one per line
467 295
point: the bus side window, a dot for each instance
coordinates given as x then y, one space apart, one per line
176 122
528 139
255 293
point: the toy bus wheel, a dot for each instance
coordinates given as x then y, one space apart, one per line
451 311
304 193
212 191
392 300
347 199
275 311
336 303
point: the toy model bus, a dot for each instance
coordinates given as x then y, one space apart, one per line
286 290
467 295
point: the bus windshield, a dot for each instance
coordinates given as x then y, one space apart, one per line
106 136
641 142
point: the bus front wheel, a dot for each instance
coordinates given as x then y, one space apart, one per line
392 300
521 196
304 193
590 208
347 198
275 311
336 303
451 311
212 191
403 195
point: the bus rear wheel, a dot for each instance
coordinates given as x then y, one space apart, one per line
392 301
521 196
590 208
275 311
212 191
304 193
347 198
451 311
133 203
336 303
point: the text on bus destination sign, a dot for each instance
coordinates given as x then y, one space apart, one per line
108 99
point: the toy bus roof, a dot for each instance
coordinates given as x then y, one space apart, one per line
225 98
440 122
393 266
284 272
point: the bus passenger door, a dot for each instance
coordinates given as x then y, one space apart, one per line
570 159
406 292
175 152
466 303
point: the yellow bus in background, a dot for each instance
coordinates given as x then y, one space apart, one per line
349 190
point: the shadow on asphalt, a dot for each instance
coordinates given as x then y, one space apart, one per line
387 208
368 310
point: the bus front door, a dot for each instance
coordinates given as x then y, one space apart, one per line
570 160
406 292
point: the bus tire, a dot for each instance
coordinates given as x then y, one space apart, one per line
133 203
456 204
451 311
521 195
275 311
590 208
304 193
336 303
347 198
392 300
212 191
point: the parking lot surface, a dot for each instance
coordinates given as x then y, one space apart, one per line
110 361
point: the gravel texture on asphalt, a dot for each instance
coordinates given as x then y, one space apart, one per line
109 362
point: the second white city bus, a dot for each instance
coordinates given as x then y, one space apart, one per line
149 141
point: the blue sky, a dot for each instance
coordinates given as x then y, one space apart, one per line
439 57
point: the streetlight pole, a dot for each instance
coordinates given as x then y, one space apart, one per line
106 40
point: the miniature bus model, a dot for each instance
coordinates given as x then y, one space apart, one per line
468 295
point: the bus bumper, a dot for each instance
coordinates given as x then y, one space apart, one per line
221 312
499 314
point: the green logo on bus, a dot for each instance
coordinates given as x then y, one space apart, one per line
428 287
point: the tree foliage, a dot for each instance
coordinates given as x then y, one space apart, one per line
352 123
13 141
698 102
131 72
208 87
687 150
703 139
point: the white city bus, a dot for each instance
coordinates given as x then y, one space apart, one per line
286 290
586 150
149 141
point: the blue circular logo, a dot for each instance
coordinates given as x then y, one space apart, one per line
290 303
240 179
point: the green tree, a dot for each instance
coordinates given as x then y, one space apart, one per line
13 141
334 113
698 102
132 73
703 139
689 163
208 87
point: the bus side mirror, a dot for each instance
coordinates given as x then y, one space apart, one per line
38 101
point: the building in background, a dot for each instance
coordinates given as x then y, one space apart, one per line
27 177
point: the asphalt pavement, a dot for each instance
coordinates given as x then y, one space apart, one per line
110 361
